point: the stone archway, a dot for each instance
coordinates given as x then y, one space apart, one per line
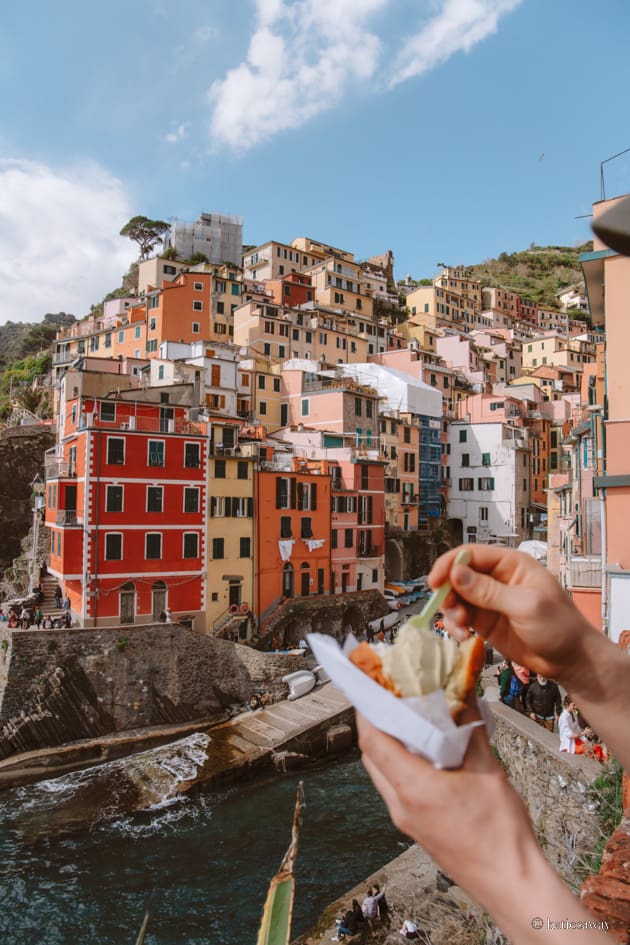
394 560
353 618
456 530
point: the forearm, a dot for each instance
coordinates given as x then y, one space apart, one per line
600 685
535 906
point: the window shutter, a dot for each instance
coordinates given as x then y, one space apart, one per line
250 507
228 506
278 493
293 491
300 496
213 506
314 496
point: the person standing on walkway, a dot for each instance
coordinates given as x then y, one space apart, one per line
543 702
58 596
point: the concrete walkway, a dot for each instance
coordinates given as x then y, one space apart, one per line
244 741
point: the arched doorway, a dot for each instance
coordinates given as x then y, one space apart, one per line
288 580
158 594
128 603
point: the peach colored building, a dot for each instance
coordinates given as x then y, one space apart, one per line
607 277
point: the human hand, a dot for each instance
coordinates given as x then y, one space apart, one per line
452 815
518 606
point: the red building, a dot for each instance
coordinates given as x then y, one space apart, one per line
126 505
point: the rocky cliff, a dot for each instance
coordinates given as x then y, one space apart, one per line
21 460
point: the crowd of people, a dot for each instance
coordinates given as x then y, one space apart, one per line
23 617
540 698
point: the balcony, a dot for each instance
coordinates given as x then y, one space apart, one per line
60 469
585 571
373 551
67 517
142 424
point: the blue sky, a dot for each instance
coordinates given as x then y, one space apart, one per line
444 130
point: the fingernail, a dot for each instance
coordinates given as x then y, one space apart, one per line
463 576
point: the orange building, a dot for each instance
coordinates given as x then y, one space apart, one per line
292 533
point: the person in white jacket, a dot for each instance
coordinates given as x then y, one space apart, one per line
571 735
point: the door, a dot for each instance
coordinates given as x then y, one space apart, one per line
166 415
305 583
287 581
344 582
128 604
159 598
234 594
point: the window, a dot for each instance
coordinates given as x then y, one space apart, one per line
307 496
357 406
169 270
220 308
333 538
463 436
262 408
219 469
195 328
161 372
305 408
218 548
485 459
245 547
198 286
406 435
154 498
191 499
114 499
197 305
285 526
282 351
486 483
113 547
266 348
153 546
466 485
108 412
156 452
483 513
115 451
285 493
276 385
217 506
241 470
192 457
348 538
261 382
191 545
137 332
465 459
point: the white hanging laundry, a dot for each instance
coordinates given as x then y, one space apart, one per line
286 549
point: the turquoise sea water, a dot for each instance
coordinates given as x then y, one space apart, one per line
207 862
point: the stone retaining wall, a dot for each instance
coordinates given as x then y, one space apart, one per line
59 686
554 787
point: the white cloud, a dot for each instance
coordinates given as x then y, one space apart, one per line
60 248
457 27
178 135
304 56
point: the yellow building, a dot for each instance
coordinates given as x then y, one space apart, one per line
230 533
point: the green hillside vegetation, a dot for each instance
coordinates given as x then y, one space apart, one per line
536 273
20 339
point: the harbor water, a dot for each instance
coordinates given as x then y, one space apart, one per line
205 861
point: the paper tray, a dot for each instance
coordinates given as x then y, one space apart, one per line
422 723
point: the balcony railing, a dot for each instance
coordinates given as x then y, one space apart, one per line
141 424
585 571
67 517
60 469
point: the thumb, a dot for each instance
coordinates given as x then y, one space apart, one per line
484 592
